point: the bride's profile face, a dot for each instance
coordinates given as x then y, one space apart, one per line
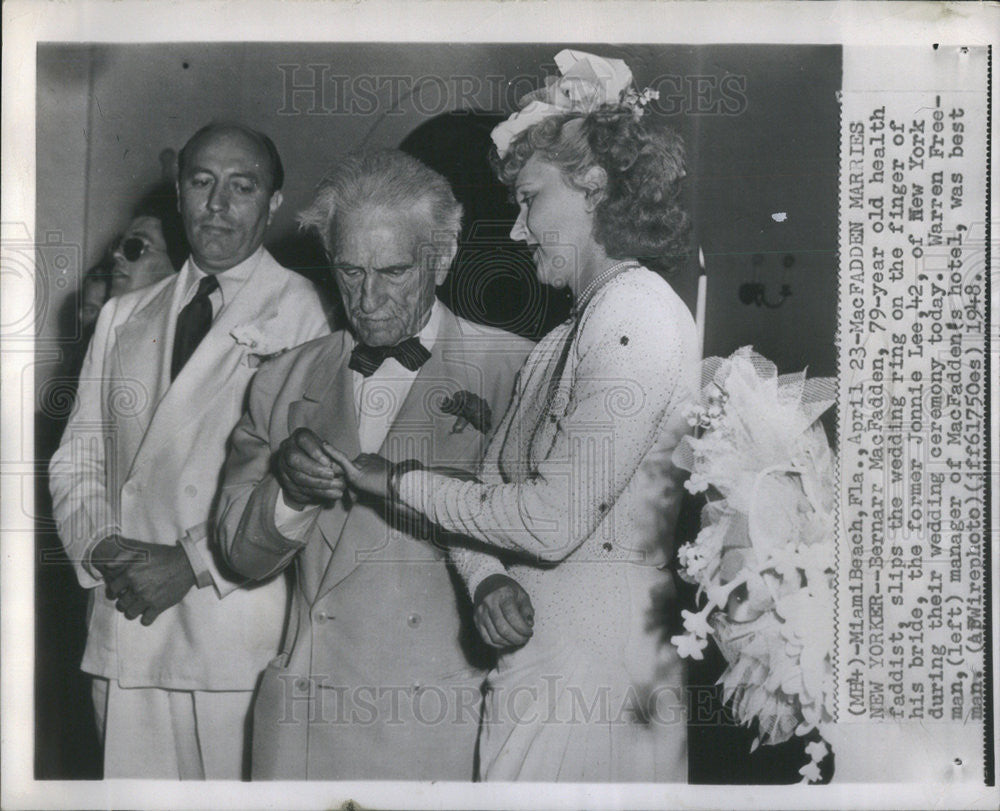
554 221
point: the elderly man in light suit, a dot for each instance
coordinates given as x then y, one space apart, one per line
373 681
175 647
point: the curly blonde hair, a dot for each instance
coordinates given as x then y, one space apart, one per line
639 214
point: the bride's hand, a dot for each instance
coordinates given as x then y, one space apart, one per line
368 473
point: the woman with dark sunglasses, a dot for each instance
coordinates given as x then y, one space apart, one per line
153 246
140 256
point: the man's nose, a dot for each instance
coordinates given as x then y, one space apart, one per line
519 233
218 198
372 294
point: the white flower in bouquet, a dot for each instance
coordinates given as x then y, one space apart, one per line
690 645
764 558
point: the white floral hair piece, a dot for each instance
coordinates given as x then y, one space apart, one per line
587 82
639 101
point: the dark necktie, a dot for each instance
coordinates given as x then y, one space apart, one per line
410 353
193 324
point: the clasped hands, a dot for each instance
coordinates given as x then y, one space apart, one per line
312 472
144 579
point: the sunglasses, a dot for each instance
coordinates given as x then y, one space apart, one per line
132 248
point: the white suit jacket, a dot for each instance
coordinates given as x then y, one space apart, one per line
142 457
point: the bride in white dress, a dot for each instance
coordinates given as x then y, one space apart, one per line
597 692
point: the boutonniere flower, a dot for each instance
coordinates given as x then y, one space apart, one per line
470 410
249 335
253 337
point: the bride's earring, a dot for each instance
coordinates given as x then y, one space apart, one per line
594 183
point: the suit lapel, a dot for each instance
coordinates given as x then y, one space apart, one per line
201 372
419 431
203 378
145 368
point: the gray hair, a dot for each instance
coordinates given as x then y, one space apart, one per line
385 178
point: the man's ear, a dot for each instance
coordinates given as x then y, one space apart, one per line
444 259
273 205
177 194
595 179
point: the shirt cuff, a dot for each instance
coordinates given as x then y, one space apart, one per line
293 524
202 574
87 562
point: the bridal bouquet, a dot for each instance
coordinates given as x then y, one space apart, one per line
764 558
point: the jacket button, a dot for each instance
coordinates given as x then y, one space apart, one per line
413 620
302 684
191 491
322 616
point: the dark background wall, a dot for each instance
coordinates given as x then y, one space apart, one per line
762 128
761 123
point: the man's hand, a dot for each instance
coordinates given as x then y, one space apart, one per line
112 554
503 612
149 579
307 475
368 473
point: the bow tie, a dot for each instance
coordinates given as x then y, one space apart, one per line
410 353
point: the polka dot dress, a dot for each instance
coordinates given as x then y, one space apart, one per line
561 487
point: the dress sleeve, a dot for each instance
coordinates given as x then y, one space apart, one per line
631 370
474 566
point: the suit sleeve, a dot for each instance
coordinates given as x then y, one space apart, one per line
310 321
197 546
631 364
82 506
248 538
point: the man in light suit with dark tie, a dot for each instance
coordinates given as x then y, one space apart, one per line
175 646
374 681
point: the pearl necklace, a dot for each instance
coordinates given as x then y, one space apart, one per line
598 282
